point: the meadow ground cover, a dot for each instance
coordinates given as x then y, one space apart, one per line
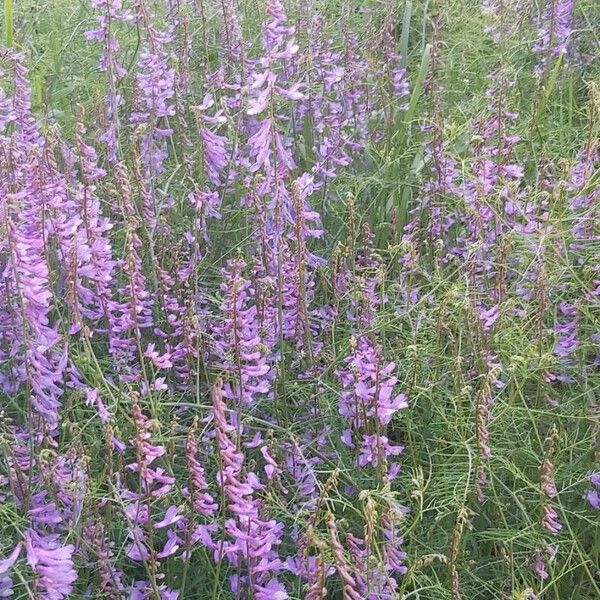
300 299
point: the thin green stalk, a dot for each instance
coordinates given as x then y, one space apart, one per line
8 23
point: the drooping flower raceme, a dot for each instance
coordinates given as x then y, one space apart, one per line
253 540
555 31
237 340
155 81
112 13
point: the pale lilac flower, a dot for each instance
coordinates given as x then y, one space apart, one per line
6 565
215 154
550 519
52 564
170 517
568 340
369 399
555 31
92 398
593 495
202 501
489 316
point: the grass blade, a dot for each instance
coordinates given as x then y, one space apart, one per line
8 23
405 32
418 85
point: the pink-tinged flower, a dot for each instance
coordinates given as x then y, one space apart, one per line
350 585
202 501
396 74
540 566
153 480
161 361
133 313
547 478
234 56
377 579
52 565
207 206
110 577
542 557
550 519
480 482
482 409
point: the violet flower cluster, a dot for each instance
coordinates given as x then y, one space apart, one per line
368 403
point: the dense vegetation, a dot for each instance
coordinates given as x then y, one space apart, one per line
300 299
